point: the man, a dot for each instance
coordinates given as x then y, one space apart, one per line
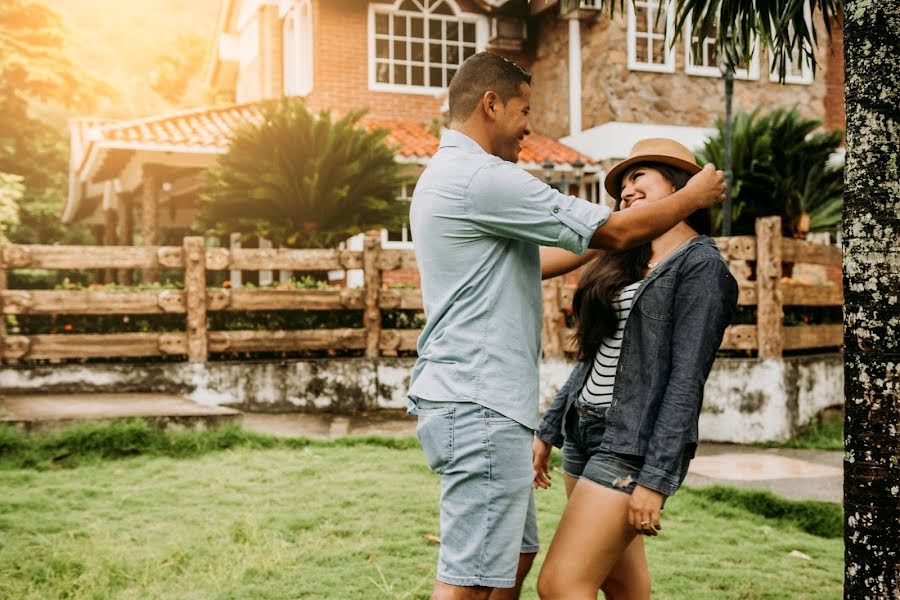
478 221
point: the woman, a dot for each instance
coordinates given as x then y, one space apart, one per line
649 322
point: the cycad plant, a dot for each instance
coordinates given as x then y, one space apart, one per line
303 180
782 166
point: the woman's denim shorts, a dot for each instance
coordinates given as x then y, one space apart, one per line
584 458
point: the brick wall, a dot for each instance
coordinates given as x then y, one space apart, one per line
341 68
834 79
340 64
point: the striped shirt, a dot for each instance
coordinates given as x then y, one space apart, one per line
598 389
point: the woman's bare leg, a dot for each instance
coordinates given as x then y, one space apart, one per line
591 539
630 577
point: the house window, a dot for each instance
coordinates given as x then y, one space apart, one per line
417 46
701 56
399 238
298 48
798 68
650 37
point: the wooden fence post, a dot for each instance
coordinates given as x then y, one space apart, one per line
195 298
553 319
769 308
372 279
110 219
125 216
150 215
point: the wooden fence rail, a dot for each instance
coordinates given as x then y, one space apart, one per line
768 251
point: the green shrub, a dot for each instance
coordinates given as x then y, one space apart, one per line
781 164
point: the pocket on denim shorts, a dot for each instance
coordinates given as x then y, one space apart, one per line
434 429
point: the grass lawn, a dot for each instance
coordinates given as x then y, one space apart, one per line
264 519
818 436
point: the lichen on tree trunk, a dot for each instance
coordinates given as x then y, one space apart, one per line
871 234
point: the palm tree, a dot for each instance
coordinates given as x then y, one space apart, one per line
303 180
871 256
781 167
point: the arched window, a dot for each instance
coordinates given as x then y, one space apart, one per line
298 49
417 46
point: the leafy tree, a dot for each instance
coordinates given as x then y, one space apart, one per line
176 67
781 167
303 180
33 63
34 68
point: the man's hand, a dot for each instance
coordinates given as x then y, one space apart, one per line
707 188
643 510
540 456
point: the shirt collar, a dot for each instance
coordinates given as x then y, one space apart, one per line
451 138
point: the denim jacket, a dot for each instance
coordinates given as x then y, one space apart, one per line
678 317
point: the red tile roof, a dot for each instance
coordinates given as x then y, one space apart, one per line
209 129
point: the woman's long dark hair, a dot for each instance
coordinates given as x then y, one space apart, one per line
602 279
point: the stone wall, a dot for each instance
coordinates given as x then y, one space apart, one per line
752 400
747 400
611 92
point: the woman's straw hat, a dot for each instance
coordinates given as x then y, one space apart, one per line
658 150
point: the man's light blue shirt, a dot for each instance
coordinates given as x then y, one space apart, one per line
477 222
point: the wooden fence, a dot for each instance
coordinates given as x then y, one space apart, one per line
768 250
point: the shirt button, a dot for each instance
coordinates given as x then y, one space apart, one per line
556 209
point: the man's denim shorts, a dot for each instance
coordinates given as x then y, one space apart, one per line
487 502
583 456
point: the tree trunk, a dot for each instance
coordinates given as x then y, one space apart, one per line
871 232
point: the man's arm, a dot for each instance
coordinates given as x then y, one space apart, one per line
556 261
627 228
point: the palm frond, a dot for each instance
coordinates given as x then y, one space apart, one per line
781 166
784 27
303 179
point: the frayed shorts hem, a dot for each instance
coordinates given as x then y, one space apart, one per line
491 582
529 550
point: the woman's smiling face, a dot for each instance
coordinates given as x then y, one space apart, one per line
642 184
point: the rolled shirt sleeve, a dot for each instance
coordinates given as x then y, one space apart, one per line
506 201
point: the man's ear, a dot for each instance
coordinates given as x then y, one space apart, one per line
489 103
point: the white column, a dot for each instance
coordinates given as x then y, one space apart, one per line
265 277
234 275
574 76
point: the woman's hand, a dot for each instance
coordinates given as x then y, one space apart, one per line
643 510
540 456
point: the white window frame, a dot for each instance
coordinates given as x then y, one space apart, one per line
297 55
750 73
805 76
482 30
633 63
405 195
690 39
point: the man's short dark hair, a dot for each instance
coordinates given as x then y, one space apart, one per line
480 73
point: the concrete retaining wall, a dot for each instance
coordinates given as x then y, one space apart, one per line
747 400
